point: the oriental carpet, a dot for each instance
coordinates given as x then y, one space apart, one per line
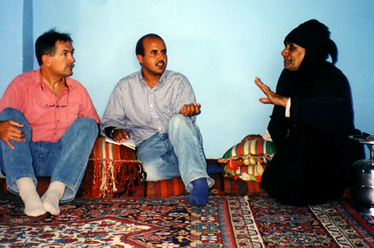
226 221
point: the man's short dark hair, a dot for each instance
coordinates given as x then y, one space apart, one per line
45 44
139 46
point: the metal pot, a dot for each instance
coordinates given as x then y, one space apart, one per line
363 182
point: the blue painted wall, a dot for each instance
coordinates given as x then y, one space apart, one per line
11 16
220 45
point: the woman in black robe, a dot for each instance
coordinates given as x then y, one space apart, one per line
311 121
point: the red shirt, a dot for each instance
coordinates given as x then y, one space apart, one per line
30 95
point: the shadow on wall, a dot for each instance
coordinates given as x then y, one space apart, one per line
27 39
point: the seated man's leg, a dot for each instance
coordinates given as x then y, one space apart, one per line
187 143
70 164
158 159
17 165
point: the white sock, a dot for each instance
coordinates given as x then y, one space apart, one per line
30 197
51 198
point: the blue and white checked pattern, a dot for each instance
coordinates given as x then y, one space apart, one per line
143 111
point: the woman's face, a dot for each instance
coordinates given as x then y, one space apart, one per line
293 56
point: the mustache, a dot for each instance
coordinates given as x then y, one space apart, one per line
70 65
161 61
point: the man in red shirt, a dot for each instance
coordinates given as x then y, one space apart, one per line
48 125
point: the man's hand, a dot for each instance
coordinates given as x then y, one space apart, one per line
271 96
190 109
120 135
9 131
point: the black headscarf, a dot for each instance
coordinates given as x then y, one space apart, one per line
315 38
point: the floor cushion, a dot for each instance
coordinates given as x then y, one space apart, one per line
112 171
222 185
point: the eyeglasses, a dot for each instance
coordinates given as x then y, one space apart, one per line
55 105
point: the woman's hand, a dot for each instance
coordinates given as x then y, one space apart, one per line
271 96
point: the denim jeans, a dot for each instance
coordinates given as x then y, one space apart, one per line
178 153
63 161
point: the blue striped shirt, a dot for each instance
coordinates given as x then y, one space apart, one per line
143 111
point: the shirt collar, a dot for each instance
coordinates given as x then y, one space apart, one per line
160 83
40 82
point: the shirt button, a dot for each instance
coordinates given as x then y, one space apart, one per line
58 121
151 105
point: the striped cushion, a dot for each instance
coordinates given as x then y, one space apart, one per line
112 171
247 160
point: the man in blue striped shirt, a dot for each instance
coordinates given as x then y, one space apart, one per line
157 109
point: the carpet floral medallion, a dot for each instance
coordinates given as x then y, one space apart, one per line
226 221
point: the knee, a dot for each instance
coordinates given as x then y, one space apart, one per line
178 121
182 125
15 115
11 114
87 125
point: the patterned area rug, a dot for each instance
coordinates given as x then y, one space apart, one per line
226 221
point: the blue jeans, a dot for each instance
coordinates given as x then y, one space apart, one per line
178 153
63 161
